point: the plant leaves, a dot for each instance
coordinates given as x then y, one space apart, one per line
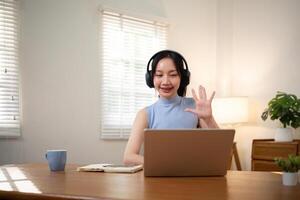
285 108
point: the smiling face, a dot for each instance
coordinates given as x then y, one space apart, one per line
166 78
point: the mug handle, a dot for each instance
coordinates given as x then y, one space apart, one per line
46 156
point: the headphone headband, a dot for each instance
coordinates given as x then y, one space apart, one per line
167 51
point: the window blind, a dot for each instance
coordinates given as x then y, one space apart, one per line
9 74
127 45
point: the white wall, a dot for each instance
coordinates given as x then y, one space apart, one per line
60 73
193 32
266 59
237 47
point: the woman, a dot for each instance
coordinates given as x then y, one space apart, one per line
172 110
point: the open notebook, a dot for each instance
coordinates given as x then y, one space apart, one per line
104 167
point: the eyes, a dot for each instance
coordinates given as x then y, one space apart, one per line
173 74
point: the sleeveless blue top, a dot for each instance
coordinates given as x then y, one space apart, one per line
170 114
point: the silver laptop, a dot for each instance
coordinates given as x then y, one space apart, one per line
187 152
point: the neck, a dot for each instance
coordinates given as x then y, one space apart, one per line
169 100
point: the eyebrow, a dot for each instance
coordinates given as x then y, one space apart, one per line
168 72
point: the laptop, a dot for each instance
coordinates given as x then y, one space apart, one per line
187 152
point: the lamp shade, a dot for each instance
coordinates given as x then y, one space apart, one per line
230 110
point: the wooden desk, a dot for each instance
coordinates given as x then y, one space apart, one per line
92 185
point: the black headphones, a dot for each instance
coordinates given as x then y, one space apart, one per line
185 74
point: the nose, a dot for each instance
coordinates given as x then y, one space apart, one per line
165 80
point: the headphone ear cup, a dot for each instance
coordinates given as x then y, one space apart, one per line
149 79
188 74
186 77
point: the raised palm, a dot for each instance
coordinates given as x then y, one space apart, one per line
203 105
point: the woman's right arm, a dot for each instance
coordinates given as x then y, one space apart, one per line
136 139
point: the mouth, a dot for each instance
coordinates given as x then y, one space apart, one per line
166 89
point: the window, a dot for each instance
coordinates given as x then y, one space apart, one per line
9 66
127 45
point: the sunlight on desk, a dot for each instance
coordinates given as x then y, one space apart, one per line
2 176
15 173
13 178
5 186
277 173
26 186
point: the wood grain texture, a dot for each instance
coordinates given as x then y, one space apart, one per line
96 185
265 150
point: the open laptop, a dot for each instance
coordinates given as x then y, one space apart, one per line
187 152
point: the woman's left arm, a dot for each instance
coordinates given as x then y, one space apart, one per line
203 108
209 123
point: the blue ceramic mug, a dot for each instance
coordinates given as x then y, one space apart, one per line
56 159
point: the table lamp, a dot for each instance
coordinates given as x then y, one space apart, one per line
230 110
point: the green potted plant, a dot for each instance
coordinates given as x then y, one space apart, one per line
285 108
290 167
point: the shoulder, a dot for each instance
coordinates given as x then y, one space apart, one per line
142 115
141 119
142 112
